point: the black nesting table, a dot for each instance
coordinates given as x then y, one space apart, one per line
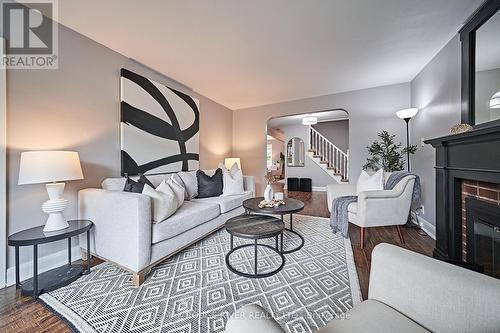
57 277
291 206
255 227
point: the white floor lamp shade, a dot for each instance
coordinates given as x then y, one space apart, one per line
50 167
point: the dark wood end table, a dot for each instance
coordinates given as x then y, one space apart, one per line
291 206
57 277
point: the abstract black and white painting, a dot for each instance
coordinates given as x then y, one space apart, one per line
159 127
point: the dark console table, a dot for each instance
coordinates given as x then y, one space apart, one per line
57 277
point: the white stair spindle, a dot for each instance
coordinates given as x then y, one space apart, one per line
328 153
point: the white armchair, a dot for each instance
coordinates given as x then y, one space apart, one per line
377 208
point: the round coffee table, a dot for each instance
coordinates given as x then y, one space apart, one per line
255 227
291 206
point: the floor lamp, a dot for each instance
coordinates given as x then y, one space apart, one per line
406 115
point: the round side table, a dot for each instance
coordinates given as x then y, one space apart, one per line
57 277
255 227
291 206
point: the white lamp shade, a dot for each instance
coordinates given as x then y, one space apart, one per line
49 166
309 120
229 162
495 101
407 113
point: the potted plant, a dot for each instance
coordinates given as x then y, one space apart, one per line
268 192
386 154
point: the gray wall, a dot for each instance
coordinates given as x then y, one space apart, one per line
436 92
370 111
487 84
335 131
77 108
310 169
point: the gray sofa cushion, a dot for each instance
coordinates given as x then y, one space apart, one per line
188 216
227 203
373 316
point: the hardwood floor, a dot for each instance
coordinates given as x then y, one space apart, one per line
22 314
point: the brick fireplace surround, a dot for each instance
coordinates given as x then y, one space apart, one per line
488 192
467 165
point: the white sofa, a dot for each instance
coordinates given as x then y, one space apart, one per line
408 292
376 208
123 231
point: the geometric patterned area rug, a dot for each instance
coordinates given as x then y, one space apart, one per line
193 291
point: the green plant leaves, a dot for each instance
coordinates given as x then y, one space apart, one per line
387 154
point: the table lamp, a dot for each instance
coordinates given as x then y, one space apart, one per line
51 167
228 162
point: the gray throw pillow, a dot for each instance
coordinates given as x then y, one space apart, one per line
209 186
133 186
190 183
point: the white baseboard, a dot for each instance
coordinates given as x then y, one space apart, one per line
44 264
319 188
428 227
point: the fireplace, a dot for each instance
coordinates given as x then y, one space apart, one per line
483 235
467 176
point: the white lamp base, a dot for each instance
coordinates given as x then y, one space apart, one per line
54 207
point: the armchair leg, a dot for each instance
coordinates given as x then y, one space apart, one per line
400 234
362 237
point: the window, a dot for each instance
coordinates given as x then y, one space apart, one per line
269 155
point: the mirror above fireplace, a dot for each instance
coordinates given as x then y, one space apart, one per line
481 67
487 71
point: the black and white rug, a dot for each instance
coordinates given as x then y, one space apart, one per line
195 292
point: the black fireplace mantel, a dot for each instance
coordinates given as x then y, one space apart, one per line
473 155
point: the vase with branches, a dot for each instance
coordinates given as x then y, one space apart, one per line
385 153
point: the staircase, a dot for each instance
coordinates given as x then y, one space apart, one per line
328 156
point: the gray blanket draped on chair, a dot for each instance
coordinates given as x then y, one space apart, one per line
339 220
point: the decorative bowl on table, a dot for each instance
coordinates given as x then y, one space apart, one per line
271 203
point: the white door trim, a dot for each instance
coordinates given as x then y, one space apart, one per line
3 166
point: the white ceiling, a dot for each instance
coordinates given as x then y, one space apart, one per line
322 116
244 53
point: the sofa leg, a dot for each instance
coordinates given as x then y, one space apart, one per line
400 234
362 237
138 278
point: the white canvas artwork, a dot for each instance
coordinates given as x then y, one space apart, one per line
159 127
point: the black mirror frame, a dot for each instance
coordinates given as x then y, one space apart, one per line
468 39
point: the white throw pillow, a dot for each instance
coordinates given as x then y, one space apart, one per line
232 180
173 185
374 182
163 204
190 183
